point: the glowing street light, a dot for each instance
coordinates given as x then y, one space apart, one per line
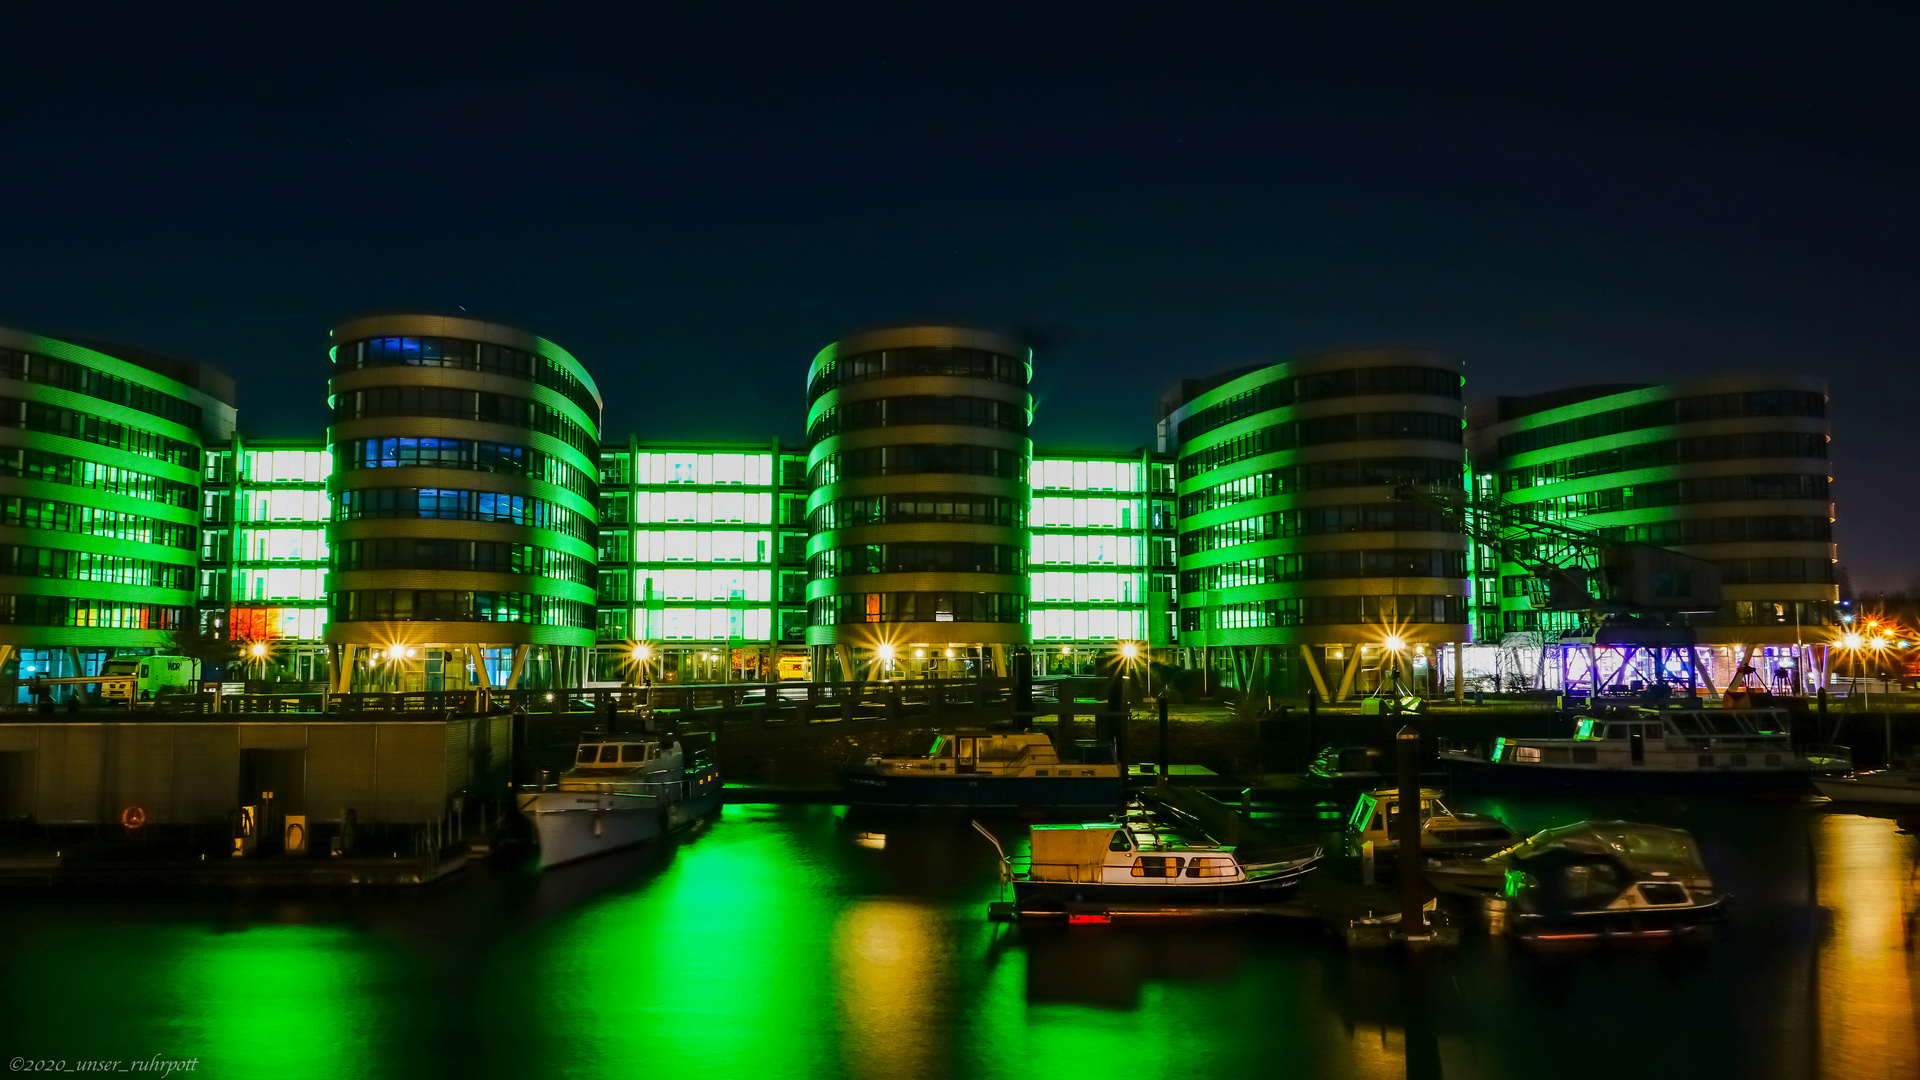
259 650
1394 643
642 653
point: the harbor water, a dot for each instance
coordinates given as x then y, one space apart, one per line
796 941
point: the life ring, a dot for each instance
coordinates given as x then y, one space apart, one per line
133 818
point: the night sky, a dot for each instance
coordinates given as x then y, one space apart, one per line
694 203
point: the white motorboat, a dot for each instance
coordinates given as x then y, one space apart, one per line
1897 787
621 792
1681 747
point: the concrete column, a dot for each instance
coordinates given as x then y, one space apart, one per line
1459 673
1313 669
1353 668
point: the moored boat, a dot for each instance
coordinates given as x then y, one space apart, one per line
1443 831
1143 865
978 769
1887 787
1685 748
1597 880
621 792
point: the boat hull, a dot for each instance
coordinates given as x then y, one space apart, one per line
1032 895
868 787
1640 925
1486 776
569 826
1868 791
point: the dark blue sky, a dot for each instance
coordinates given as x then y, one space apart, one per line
694 203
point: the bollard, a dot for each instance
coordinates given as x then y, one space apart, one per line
1164 757
1313 722
1413 922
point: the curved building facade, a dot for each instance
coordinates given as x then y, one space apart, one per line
1732 469
465 493
1297 569
917 460
100 467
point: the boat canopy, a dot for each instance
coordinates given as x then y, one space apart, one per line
1646 850
1073 852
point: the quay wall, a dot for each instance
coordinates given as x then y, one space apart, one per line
195 772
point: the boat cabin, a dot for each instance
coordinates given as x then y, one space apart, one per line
1116 854
1376 819
624 755
993 753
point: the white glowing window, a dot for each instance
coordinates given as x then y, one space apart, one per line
680 547
728 546
680 506
729 506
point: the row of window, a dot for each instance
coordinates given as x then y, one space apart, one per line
1776 571
455 404
1754 444
1729 530
481 556
18 560
752 470
1676 492
450 504
1324 611
454 605
74 611
1354 382
919 607
704 507
919 360
914 558
1320 565
1319 431
287 504
898 509
475 455
1314 521
73 424
1662 413
471 356
919 458
918 409
81 379
1356 472
62 469
67 517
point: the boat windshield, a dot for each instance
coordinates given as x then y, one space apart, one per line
589 754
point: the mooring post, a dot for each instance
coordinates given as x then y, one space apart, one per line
1313 720
1165 757
1413 922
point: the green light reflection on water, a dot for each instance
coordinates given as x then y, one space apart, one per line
278 1001
711 969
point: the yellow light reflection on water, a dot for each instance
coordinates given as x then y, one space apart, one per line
1867 990
893 977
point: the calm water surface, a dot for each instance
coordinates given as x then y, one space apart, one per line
772 945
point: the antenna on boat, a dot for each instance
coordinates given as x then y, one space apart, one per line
995 841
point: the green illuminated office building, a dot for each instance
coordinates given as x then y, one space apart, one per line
264 557
1731 468
1297 568
465 536
918 462
100 468
702 563
1101 560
